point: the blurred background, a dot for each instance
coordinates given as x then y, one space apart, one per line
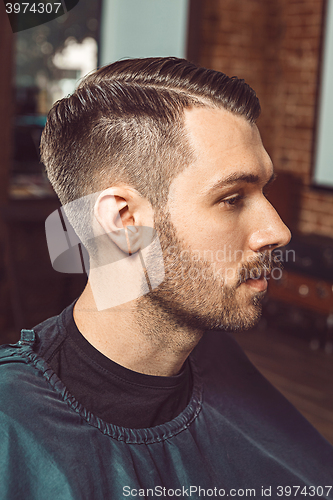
284 50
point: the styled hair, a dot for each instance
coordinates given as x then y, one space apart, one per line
125 124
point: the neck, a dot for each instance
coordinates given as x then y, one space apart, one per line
139 335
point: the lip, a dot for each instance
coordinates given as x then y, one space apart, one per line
260 284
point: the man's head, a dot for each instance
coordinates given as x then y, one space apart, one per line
125 124
157 134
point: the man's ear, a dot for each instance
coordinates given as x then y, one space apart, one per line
116 211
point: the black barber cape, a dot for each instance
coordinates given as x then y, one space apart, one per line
237 436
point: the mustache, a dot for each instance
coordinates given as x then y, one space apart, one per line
263 265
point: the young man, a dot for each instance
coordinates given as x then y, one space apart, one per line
147 394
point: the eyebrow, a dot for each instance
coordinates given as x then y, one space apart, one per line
235 178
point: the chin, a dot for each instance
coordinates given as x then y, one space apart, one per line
243 318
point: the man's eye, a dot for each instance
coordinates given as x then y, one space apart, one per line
234 201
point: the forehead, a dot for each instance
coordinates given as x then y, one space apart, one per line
224 143
218 132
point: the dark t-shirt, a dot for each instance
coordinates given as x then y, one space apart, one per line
238 436
114 393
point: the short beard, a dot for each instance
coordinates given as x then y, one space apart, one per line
192 295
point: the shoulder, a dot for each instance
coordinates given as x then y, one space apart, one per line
19 378
51 333
236 389
48 336
24 371
24 398
228 372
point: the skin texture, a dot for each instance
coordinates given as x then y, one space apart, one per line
213 240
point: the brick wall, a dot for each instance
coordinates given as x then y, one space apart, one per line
275 45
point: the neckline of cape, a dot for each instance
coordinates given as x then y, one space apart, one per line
147 435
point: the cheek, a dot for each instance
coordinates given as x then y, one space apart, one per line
220 238
227 245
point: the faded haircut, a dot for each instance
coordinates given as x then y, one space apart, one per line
125 124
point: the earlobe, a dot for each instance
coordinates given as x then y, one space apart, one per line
133 240
126 239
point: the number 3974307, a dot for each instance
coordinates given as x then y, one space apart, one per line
36 8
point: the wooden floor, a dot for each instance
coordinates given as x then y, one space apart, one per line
304 376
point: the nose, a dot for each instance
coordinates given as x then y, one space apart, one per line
270 232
